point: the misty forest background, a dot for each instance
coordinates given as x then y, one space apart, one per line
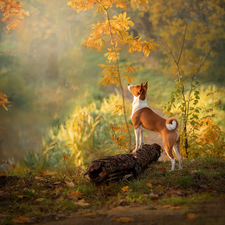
58 112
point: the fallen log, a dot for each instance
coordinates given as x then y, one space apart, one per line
122 166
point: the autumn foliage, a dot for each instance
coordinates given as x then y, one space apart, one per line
4 100
116 30
12 13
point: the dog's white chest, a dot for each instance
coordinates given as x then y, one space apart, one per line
138 104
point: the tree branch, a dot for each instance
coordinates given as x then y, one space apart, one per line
184 37
120 80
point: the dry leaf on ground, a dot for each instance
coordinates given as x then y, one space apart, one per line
81 203
167 206
153 195
154 198
38 200
39 178
50 173
21 219
60 198
111 184
190 216
176 192
22 196
57 182
123 219
76 193
69 184
177 207
89 214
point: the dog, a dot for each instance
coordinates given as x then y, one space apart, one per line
143 118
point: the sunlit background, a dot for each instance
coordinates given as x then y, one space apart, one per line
51 80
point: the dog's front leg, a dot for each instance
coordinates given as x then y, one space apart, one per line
136 132
142 139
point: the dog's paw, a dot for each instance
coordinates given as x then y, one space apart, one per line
134 151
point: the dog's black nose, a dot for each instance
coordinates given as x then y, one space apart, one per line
128 84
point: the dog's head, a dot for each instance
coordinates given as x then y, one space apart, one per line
139 90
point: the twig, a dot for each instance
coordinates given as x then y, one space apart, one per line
119 76
201 64
184 36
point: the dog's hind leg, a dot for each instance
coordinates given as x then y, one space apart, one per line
177 152
170 155
168 142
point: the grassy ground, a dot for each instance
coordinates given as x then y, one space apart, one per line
30 197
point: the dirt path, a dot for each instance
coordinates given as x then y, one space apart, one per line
203 214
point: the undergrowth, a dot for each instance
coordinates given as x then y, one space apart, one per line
55 195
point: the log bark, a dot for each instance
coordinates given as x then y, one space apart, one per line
122 166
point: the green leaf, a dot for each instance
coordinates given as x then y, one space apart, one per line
195 102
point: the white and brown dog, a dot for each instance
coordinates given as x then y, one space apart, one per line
143 118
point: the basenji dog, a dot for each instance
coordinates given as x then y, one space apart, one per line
143 118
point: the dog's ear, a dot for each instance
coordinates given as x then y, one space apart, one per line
141 89
146 85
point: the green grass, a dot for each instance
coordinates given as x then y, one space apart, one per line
199 181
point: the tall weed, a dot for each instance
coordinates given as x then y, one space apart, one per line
85 136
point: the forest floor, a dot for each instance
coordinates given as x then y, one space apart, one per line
200 214
195 195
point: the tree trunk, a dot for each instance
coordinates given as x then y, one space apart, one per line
122 166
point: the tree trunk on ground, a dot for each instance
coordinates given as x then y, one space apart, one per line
122 166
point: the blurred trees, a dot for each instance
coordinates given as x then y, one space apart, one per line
41 72
11 10
164 20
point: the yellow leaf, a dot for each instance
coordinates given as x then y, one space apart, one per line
134 69
149 184
102 65
125 188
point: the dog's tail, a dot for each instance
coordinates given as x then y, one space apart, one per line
172 123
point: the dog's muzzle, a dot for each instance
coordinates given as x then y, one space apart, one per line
129 86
